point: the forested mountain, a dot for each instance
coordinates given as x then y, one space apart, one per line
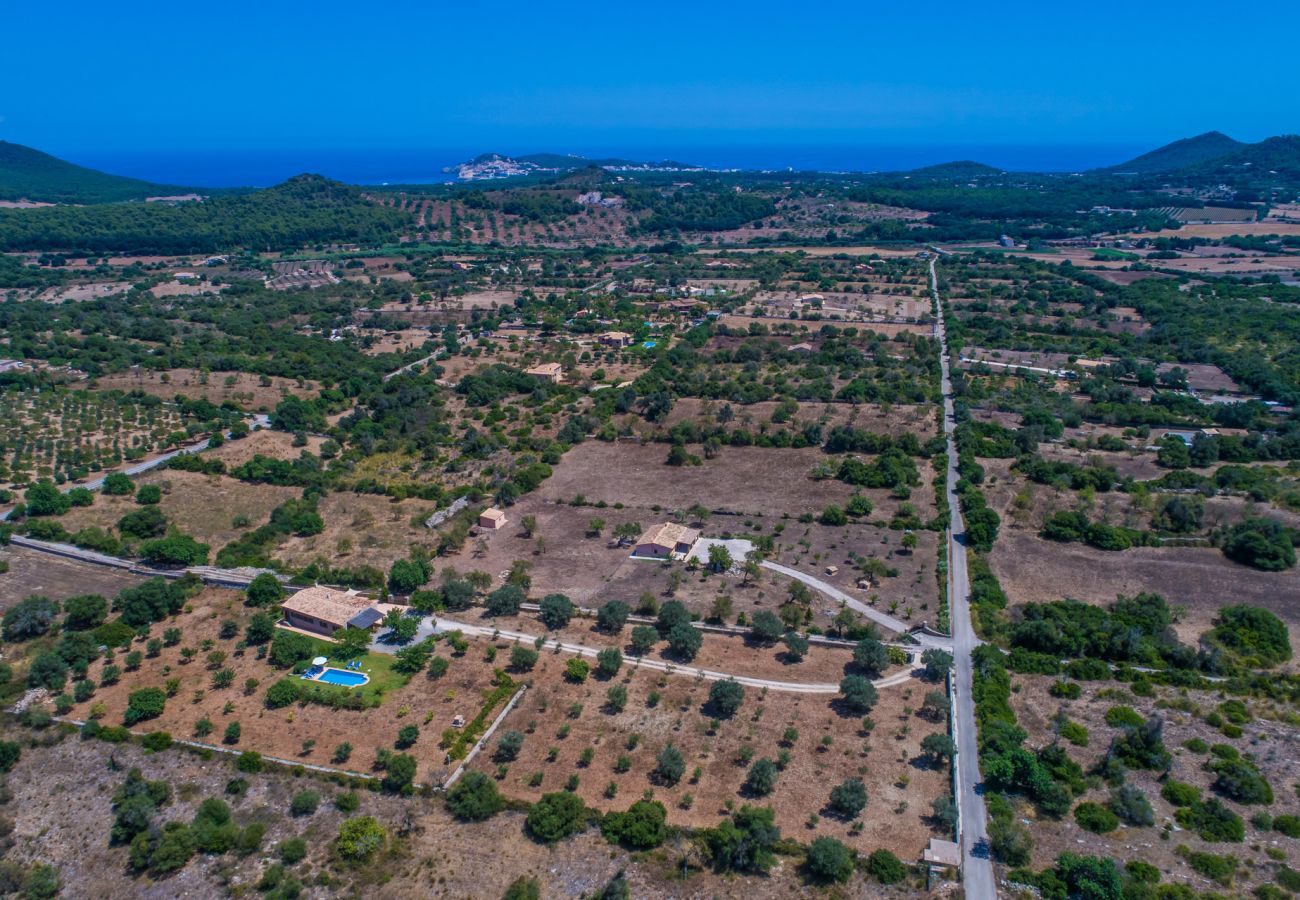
964 168
305 209
1276 154
27 174
1181 154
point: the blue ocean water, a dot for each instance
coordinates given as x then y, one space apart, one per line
424 166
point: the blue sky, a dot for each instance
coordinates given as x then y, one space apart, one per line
95 79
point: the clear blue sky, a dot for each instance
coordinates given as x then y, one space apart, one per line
81 79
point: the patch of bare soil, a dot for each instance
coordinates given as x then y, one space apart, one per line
31 572
244 388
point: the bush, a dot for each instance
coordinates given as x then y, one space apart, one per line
289 648
522 659
828 861
1123 717
359 839
1255 635
761 778
1212 821
146 703
576 670
1240 781
407 735
1179 793
885 867
304 803
669 765
505 601
29 618
642 827
264 590
523 888
48 670
148 495
556 816
871 656
294 850
117 484
1095 818
849 799
608 662
644 638
249 762
84 612
766 628
157 741
10 751
1131 805
725 698
1260 543
685 640
282 693
474 797
1287 824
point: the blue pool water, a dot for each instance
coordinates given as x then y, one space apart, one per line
338 676
648 344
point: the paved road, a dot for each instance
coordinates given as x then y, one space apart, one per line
431 625
437 354
977 870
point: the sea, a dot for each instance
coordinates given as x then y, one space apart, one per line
260 168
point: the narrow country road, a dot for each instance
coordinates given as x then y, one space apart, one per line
977 869
437 354
432 625
896 625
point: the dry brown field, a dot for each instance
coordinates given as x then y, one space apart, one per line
32 572
246 389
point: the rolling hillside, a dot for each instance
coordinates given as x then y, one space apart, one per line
27 174
1181 154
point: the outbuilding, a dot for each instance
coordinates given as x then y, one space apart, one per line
492 519
666 540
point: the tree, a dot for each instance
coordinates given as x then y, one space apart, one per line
685 641
1010 841
936 705
556 611
509 745
474 798
505 601
744 843
644 637
725 698
849 798
523 888
595 526
612 616
1090 877
402 627
669 765
765 628
859 694
937 663
833 515
399 774
29 618
84 612
939 747
359 839
1173 453
146 703
871 657
616 698
290 647
719 558
671 614
556 816
304 803
143 524
608 662
1255 635
523 659
761 778
48 670
828 861
406 576
176 549
407 735
44 499
796 646
1260 543
282 693
148 495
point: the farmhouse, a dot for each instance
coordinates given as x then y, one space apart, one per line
551 372
803 348
325 610
491 519
616 339
663 541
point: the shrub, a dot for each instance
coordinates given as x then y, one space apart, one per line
1123 717
828 861
282 693
84 612
849 798
304 803
146 703
611 617
1095 818
148 495
249 762
556 816
1240 781
765 628
407 735
117 484
1075 733
1212 821
359 839
1131 805
264 590
644 638
29 618
608 662
858 693
576 670
1261 543
1287 824
885 867
1179 793
505 600
761 778
289 648
522 659
157 741
294 850
669 765
871 657
508 746
474 797
642 827
685 640
1256 635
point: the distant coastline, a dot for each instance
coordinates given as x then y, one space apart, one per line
372 167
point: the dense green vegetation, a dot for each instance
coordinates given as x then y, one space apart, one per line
27 174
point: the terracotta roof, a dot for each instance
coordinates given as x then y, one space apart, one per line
328 604
669 534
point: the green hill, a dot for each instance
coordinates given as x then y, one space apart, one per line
1180 155
964 168
305 209
1279 154
27 174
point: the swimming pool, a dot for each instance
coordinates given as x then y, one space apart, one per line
338 676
